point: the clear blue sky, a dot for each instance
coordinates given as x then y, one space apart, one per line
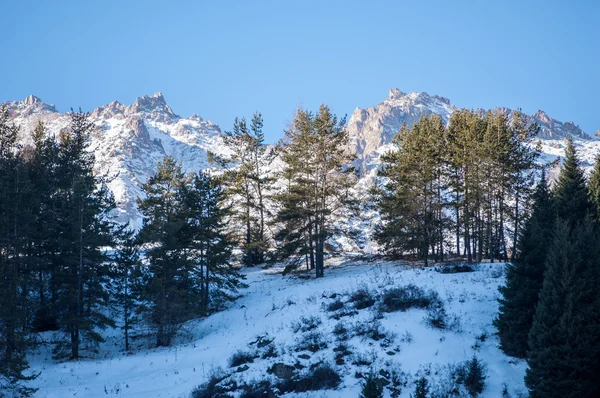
226 58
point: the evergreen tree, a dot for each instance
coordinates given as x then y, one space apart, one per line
15 262
319 175
372 387
412 202
126 275
83 230
248 184
421 389
564 341
572 199
210 243
524 278
187 248
168 277
594 186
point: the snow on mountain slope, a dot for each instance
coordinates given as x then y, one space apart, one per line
372 129
273 306
129 141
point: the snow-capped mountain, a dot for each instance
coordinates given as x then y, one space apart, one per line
372 129
129 141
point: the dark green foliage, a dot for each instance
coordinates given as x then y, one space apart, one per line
409 296
369 329
572 201
212 388
594 186
335 305
322 377
247 184
474 377
421 388
468 179
372 387
312 341
241 358
189 271
362 298
411 201
125 284
318 178
564 341
80 268
524 277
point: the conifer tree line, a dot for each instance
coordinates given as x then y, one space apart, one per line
460 189
56 273
550 305
66 267
287 215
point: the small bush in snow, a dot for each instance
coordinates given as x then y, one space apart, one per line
361 359
240 358
313 342
369 329
306 324
258 389
322 377
406 297
341 351
335 305
337 315
362 298
455 269
421 388
372 387
269 352
341 331
437 317
212 388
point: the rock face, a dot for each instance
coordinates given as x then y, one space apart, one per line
372 129
129 141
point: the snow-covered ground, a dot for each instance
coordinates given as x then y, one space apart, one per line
273 304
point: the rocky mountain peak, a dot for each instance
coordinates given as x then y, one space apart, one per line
156 107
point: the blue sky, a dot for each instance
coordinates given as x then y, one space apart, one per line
223 59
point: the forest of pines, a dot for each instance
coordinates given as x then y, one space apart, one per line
472 190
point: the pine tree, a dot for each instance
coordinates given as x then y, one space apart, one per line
163 230
209 242
15 261
84 204
319 175
421 389
126 277
572 199
188 250
412 203
564 341
524 278
248 184
594 186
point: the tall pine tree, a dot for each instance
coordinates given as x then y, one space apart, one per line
524 278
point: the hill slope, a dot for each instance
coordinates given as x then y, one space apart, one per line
273 308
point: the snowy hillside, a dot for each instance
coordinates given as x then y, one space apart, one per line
283 325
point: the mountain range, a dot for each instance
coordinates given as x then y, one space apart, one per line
129 140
